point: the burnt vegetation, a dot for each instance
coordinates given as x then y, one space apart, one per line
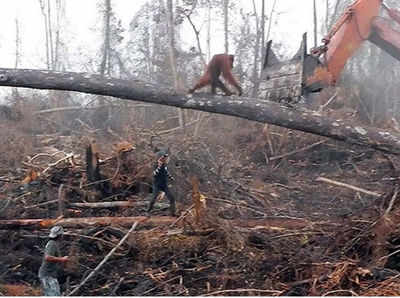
256 215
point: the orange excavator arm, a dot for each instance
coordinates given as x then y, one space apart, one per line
345 37
360 22
323 66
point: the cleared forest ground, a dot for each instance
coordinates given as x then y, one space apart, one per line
262 221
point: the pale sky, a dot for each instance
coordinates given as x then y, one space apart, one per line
295 17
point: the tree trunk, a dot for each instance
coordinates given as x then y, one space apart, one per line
199 115
15 92
209 8
270 20
17 44
171 40
326 17
197 34
247 108
254 76
60 16
106 45
262 34
315 25
82 222
226 21
50 28
172 57
46 30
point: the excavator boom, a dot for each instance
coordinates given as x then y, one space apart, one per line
306 73
385 37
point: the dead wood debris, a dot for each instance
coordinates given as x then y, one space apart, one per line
248 225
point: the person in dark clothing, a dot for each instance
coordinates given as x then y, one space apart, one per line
160 182
50 265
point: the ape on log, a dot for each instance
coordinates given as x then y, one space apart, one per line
220 63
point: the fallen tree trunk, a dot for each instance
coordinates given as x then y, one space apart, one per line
248 108
79 222
85 222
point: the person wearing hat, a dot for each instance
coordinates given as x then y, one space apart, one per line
160 181
51 261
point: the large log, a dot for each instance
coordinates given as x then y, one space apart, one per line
78 222
248 108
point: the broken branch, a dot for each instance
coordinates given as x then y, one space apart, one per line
371 193
104 260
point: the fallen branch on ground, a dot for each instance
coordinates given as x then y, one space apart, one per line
79 222
68 157
244 290
108 204
85 222
371 193
296 151
104 260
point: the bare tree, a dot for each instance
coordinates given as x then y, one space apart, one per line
255 75
50 28
188 15
106 42
52 45
171 39
262 29
172 57
270 19
59 15
17 44
46 28
209 30
15 93
104 112
226 21
315 24
326 16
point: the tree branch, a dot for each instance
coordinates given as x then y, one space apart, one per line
104 260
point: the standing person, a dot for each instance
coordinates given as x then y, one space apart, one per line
160 181
51 262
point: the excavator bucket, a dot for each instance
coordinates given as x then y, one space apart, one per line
282 80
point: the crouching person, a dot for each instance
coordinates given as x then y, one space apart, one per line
51 263
160 182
